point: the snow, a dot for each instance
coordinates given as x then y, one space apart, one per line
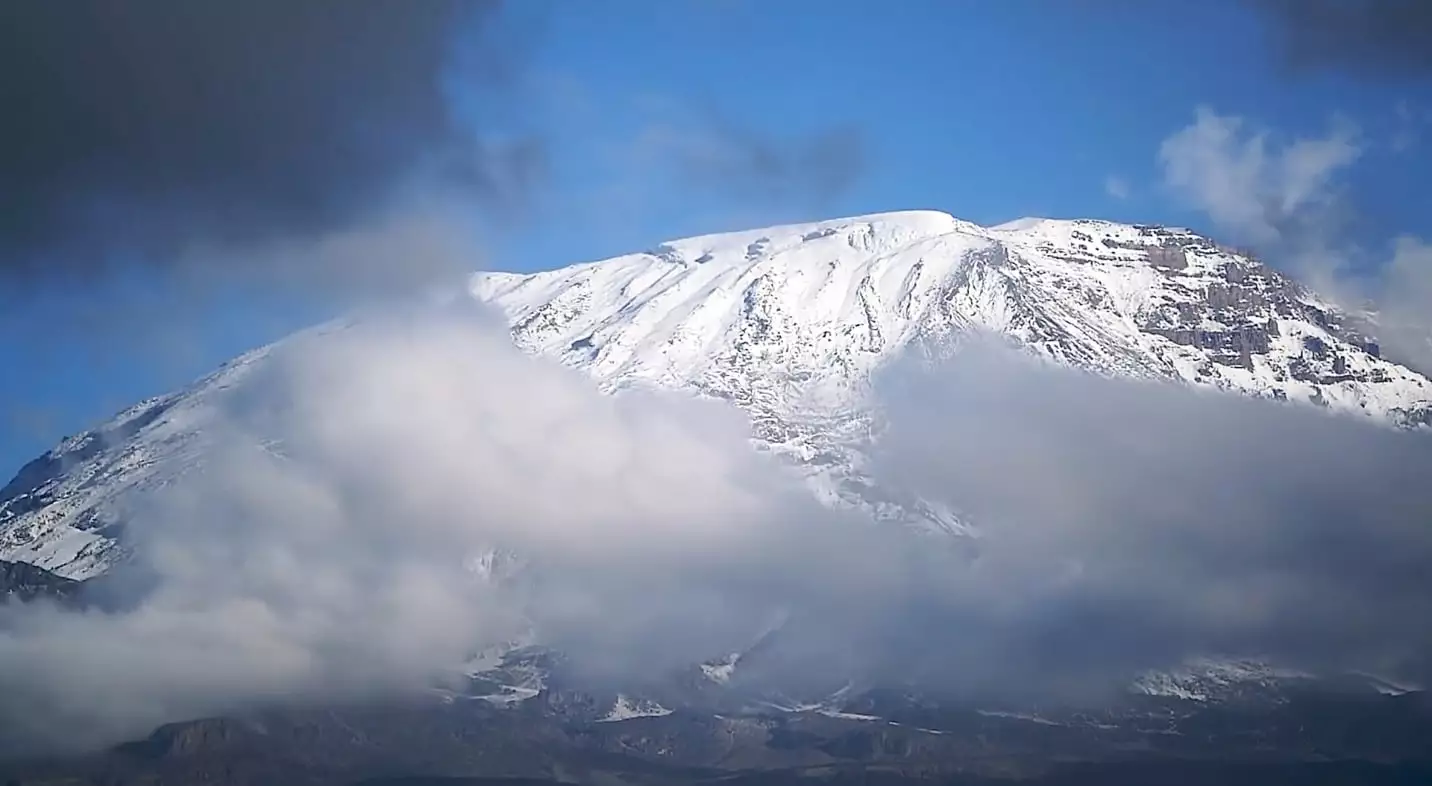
791 323
1208 678
511 694
1024 716
626 709
720 671
855 716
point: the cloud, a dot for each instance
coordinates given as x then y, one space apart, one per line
1117 187
1285 200
1405 137
1402 292
322 549
427 241
1366 38
184 172
1126 524
733 160
1250 186
151 129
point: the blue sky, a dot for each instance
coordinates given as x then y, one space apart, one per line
652 114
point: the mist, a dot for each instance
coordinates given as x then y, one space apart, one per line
1127 525
324 548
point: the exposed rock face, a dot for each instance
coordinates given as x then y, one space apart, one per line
1168 258
206 736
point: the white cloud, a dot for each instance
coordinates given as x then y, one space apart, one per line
1117 187
1403 294
1127 523
319 549
1285 200
1250 186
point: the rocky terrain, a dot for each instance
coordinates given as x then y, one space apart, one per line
1312 738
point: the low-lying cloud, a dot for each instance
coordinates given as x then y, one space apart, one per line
323 549
1128 525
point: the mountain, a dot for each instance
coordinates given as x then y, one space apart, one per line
24 582
790 322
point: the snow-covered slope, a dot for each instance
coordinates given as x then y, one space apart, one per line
790 322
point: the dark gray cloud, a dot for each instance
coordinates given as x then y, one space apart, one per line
1367 38
141 128
819 167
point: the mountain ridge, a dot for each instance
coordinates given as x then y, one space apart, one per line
790 323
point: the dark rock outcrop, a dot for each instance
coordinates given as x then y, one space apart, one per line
24 582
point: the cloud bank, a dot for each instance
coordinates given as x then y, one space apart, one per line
323 549
1127 525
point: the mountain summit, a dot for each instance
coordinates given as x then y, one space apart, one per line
790 322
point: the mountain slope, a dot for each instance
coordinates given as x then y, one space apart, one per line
790 322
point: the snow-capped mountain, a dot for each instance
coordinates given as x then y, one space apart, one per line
790 323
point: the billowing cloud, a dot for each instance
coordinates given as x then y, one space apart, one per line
1129 524
1258 190
324 546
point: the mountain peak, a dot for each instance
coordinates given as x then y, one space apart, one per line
790 322
838 297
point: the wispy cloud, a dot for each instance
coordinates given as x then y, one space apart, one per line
1250 185
711 153
1406 134
1287 200
1117 187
